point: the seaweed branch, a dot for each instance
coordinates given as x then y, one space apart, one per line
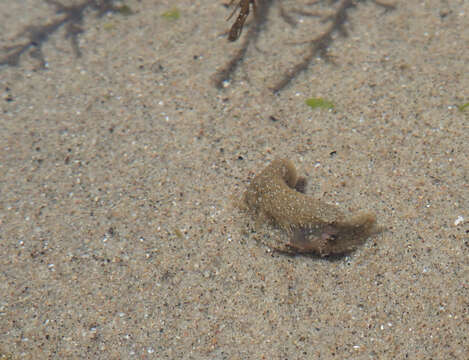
260 17
244 6
316 47
38 35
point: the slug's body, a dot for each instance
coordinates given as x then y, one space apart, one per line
312 225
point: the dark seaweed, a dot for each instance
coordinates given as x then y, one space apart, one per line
316 47
71 18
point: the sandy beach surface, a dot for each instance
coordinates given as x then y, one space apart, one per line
121 172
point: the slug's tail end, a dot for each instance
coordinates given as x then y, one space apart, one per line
335 238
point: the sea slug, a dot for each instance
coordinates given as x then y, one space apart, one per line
312 226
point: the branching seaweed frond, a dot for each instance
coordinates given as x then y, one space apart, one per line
37 35
316 47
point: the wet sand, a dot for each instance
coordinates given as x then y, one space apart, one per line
120 172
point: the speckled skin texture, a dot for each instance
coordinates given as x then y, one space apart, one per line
312 225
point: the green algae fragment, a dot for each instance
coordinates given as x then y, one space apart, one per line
463 107
319 103
172 14
124 10
107 27
178 233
